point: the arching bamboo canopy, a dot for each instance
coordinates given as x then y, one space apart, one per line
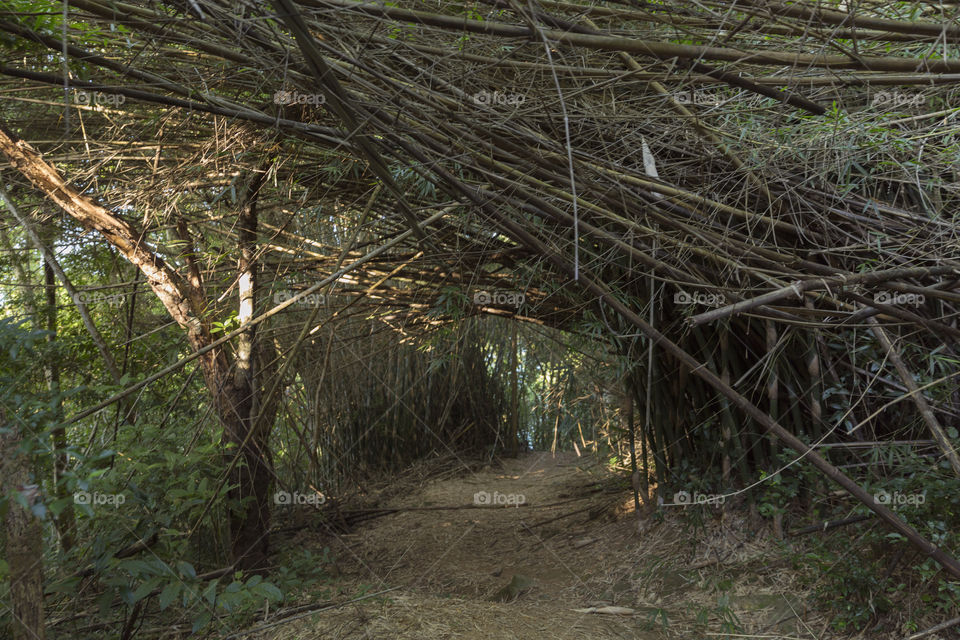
760 175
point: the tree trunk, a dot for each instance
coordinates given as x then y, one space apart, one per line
183 297
250 481
513 438
773 395
637 480
24 539
64 522
244 429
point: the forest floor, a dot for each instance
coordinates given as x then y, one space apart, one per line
548 568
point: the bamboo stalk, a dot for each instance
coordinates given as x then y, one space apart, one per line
919 400
660 50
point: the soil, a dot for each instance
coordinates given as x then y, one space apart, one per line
553 550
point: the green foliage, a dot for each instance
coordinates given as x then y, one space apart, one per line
409 179
781 489
46 18
29 406
654 616
303 572
694 482
341 167
232 323
451 302
240 599
848 586
154 486
857 582
729 622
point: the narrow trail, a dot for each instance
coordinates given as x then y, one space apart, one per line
502 571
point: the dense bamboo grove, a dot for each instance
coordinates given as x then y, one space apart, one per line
371 405
739 220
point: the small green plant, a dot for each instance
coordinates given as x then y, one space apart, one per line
850 585
302 571
862 583
780 490
232 323
654 615
240 599
722 611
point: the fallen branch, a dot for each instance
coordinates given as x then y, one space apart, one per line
560 517
826 525
303 615
940 627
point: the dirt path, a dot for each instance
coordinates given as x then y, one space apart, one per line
522 571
